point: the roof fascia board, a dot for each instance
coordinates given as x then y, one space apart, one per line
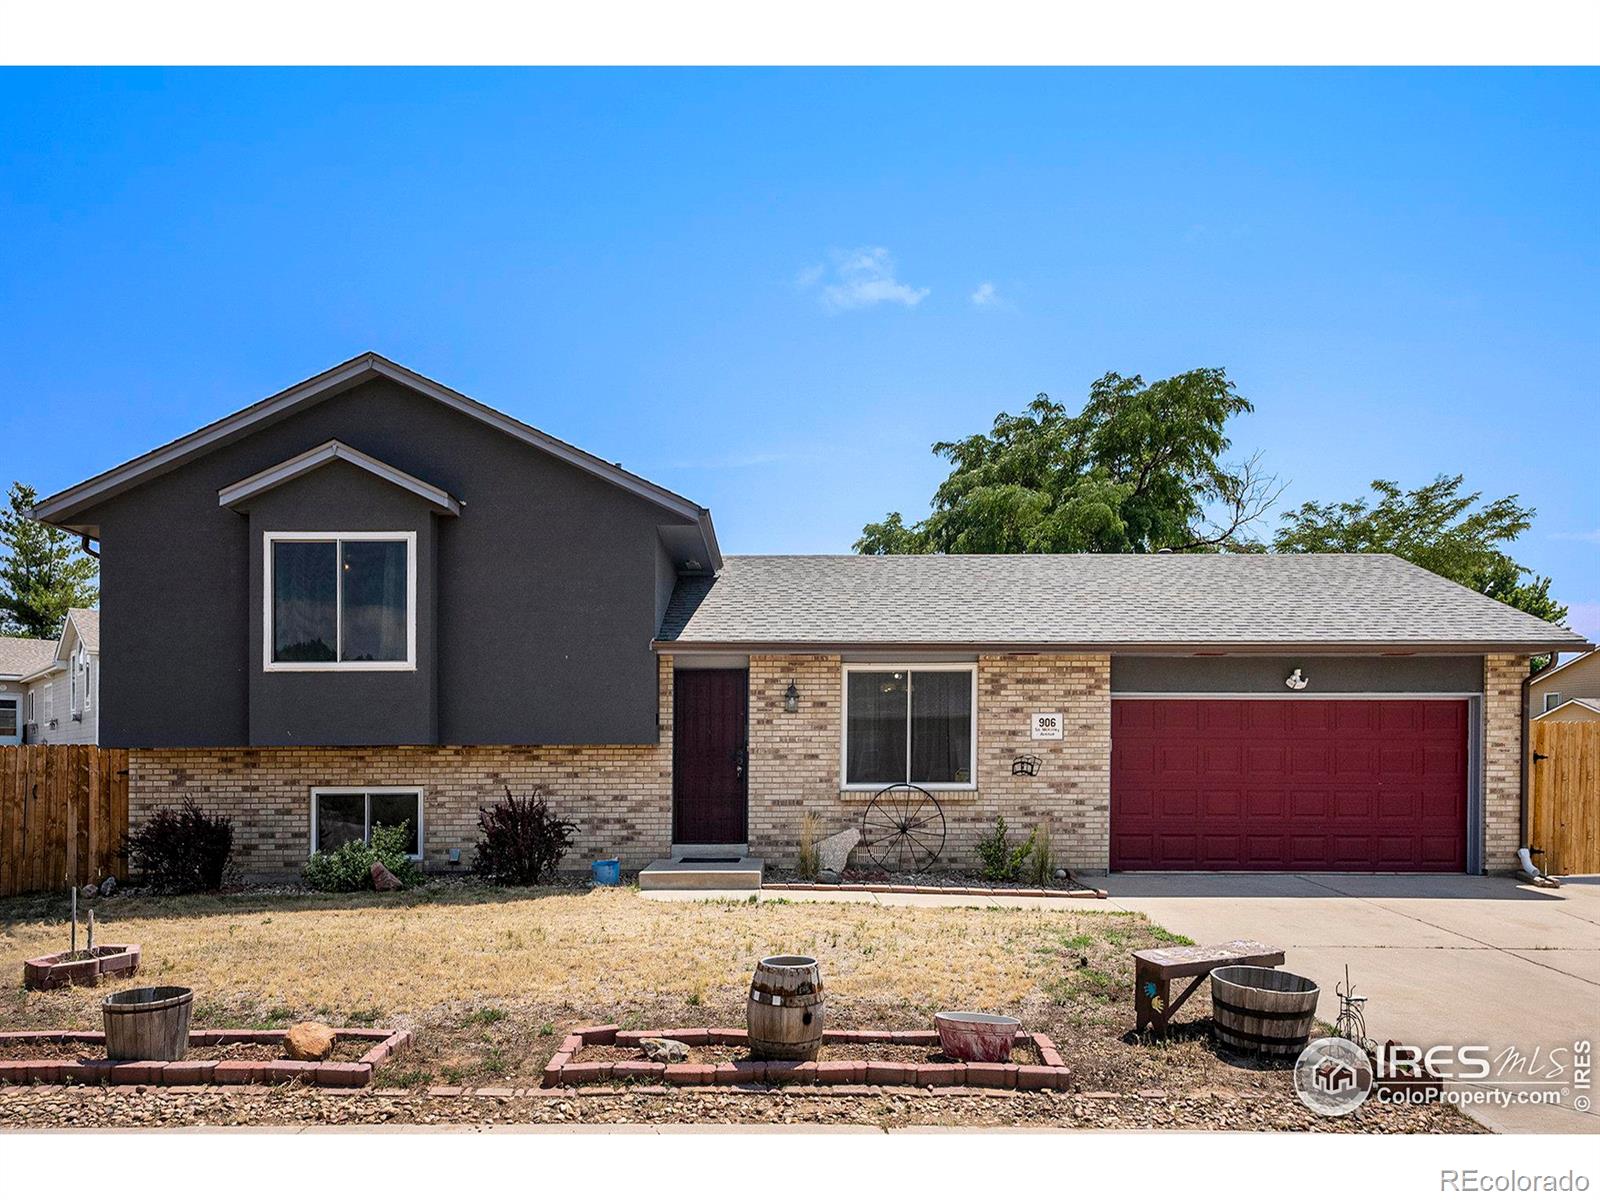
321 456
1548 672
1257 649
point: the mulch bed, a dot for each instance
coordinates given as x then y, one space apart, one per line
215 1056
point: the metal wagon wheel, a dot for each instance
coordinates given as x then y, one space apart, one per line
903 828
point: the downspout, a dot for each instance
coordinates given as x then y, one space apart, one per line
1524 855
85 546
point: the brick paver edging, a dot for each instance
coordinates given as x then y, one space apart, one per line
561 1071
47 972
223 1071
909 889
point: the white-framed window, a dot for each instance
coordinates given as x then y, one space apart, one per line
340 602
340 815
31 719
910 723
1552 700
10 727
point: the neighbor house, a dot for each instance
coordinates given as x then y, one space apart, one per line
1576 678
20 659
62 701
1577 709
370 599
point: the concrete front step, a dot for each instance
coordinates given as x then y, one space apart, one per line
667 874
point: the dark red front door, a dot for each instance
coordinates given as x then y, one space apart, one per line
709 721
1288 785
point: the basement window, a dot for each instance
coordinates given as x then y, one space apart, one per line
340 815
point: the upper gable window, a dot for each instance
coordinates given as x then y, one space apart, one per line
341 602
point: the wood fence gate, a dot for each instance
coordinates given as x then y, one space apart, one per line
63 816
1564 797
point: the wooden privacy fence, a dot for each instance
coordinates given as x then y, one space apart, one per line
1564 797
63 816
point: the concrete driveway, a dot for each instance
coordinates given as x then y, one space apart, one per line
1443 959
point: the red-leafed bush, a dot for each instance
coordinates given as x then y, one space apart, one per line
182 849
523 841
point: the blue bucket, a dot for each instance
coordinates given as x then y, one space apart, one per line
607 871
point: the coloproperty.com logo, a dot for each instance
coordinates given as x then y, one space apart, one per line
1333 1076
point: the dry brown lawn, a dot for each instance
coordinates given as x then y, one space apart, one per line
490 980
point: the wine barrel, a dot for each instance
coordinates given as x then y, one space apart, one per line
148 1024
1259 1011
784 1015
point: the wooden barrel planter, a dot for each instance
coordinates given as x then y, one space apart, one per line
149 1024
784 1015
1262 1012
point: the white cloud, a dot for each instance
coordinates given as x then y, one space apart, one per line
985 295
860 279
1589 535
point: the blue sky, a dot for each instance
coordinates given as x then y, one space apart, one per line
772 290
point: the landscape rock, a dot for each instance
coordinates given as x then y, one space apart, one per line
664 1050
108 885
828 876
384 880
834 852
90 892
308 1041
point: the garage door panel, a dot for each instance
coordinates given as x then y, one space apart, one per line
1301 785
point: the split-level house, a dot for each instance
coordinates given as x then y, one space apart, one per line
395 602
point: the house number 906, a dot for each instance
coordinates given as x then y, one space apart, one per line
1046 727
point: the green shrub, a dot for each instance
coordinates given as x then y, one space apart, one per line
349 868
181 849
1003 862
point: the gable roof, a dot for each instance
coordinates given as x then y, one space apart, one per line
21 657
1583 702
1148 602
321 456
65 506
87 622
1549 672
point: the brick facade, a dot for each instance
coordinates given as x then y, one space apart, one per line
1502 759
621 796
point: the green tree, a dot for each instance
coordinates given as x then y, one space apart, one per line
1138 469
42 571
1434 526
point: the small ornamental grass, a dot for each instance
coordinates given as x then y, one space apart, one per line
349 868
523 842
181 850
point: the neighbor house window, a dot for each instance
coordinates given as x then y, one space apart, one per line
909 725
340 815
1552 700
8 718
341 601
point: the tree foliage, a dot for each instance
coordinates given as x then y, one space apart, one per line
1138 469
1435 527
42 571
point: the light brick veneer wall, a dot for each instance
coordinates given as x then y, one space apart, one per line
1502 759
621 796
794 757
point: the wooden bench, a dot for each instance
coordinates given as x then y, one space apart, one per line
1154 971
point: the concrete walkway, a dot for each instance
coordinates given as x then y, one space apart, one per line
1444 959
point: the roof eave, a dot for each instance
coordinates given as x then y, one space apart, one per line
843 646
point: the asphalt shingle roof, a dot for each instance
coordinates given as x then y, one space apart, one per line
88 622
24 656
1337 600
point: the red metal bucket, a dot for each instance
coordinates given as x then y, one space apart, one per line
976 1037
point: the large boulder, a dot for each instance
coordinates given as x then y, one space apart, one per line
834 852
385 880
309 1041
664 1050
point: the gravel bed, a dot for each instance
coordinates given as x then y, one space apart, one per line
344 1050
94 1107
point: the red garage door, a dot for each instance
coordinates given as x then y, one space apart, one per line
1288 785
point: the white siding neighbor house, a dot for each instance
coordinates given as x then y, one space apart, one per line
61 697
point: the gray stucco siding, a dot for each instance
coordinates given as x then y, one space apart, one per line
545 591
1327 675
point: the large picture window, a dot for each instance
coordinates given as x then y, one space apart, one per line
340 815
341 602
909 725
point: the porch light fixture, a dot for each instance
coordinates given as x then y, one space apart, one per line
791 698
